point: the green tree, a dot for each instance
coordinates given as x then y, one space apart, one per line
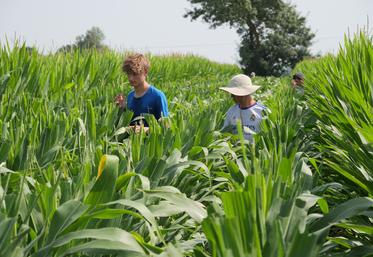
274 36
93 38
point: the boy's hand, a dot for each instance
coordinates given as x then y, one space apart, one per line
120 101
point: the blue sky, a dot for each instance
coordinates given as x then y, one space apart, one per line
158 26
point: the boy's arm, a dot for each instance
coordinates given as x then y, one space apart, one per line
228 126
227 119
162 106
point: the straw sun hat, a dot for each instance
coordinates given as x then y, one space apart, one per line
240 85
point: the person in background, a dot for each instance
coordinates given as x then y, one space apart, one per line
246 109
297 82
144 98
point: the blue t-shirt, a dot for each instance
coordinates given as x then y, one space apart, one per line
152 102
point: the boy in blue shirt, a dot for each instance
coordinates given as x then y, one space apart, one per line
144 98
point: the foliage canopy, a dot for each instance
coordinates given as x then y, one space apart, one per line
91 39
274 36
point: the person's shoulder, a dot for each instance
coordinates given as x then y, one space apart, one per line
131 94
155 89
157 92
260 106
233 109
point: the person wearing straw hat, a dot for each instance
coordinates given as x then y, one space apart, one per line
246 108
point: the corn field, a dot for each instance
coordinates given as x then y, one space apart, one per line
75 182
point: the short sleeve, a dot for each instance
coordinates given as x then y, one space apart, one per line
228 118
162 105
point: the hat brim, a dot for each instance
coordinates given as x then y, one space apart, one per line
240 91
297 77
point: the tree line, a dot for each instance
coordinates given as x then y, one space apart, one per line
274 36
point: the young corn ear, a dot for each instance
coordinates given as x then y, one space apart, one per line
104 187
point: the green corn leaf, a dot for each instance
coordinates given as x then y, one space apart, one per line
104 247
348 209
104 187
112 235
193 208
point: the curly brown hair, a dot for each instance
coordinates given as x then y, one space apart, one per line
136 64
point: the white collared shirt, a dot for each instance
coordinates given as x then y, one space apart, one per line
250 117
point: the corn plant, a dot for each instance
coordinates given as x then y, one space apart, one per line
74 180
